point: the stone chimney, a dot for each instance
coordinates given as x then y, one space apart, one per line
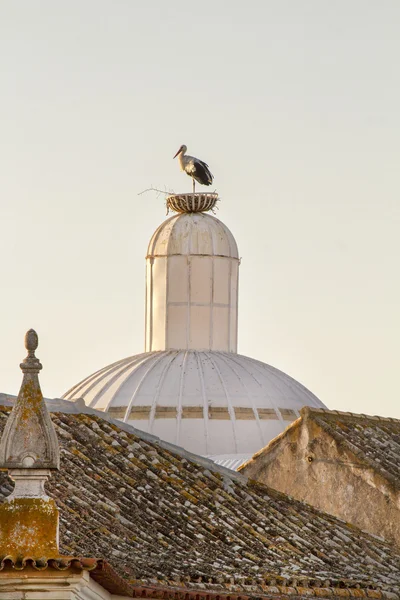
29 450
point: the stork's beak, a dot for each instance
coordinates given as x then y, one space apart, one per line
178 152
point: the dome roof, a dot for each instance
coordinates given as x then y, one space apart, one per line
211 403
193 233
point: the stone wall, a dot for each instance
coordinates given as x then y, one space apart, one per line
307 463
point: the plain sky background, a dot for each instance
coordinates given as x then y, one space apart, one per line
294 104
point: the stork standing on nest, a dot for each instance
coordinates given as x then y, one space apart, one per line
194 167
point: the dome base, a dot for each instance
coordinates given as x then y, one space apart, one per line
210 403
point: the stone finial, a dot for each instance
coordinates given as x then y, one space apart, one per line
31 364
29 449
29 440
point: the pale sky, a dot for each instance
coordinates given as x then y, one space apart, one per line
294 104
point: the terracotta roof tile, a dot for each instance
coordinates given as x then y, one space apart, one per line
163 517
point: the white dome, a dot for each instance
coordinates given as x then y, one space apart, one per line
191 234
211 403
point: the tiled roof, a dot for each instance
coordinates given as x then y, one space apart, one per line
166 519
375 440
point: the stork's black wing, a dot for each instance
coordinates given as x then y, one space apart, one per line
202 173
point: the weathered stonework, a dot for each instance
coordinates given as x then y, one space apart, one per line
341 463
29 439
46 582
29 449
29 527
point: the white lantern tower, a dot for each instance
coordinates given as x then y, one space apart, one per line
190 387
192 285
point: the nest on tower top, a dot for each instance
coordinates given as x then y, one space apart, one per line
192 203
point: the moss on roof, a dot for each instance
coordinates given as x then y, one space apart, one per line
158 514
375 440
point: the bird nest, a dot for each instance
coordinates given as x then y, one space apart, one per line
192 203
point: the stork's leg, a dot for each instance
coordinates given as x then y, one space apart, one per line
194 183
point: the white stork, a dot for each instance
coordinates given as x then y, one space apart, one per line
194 167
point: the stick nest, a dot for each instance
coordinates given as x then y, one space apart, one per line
192 203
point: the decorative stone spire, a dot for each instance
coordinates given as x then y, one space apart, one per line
29 440
29 449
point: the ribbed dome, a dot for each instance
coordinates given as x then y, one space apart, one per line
211 403
191 234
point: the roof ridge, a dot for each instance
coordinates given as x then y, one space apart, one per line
309 410
271 443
